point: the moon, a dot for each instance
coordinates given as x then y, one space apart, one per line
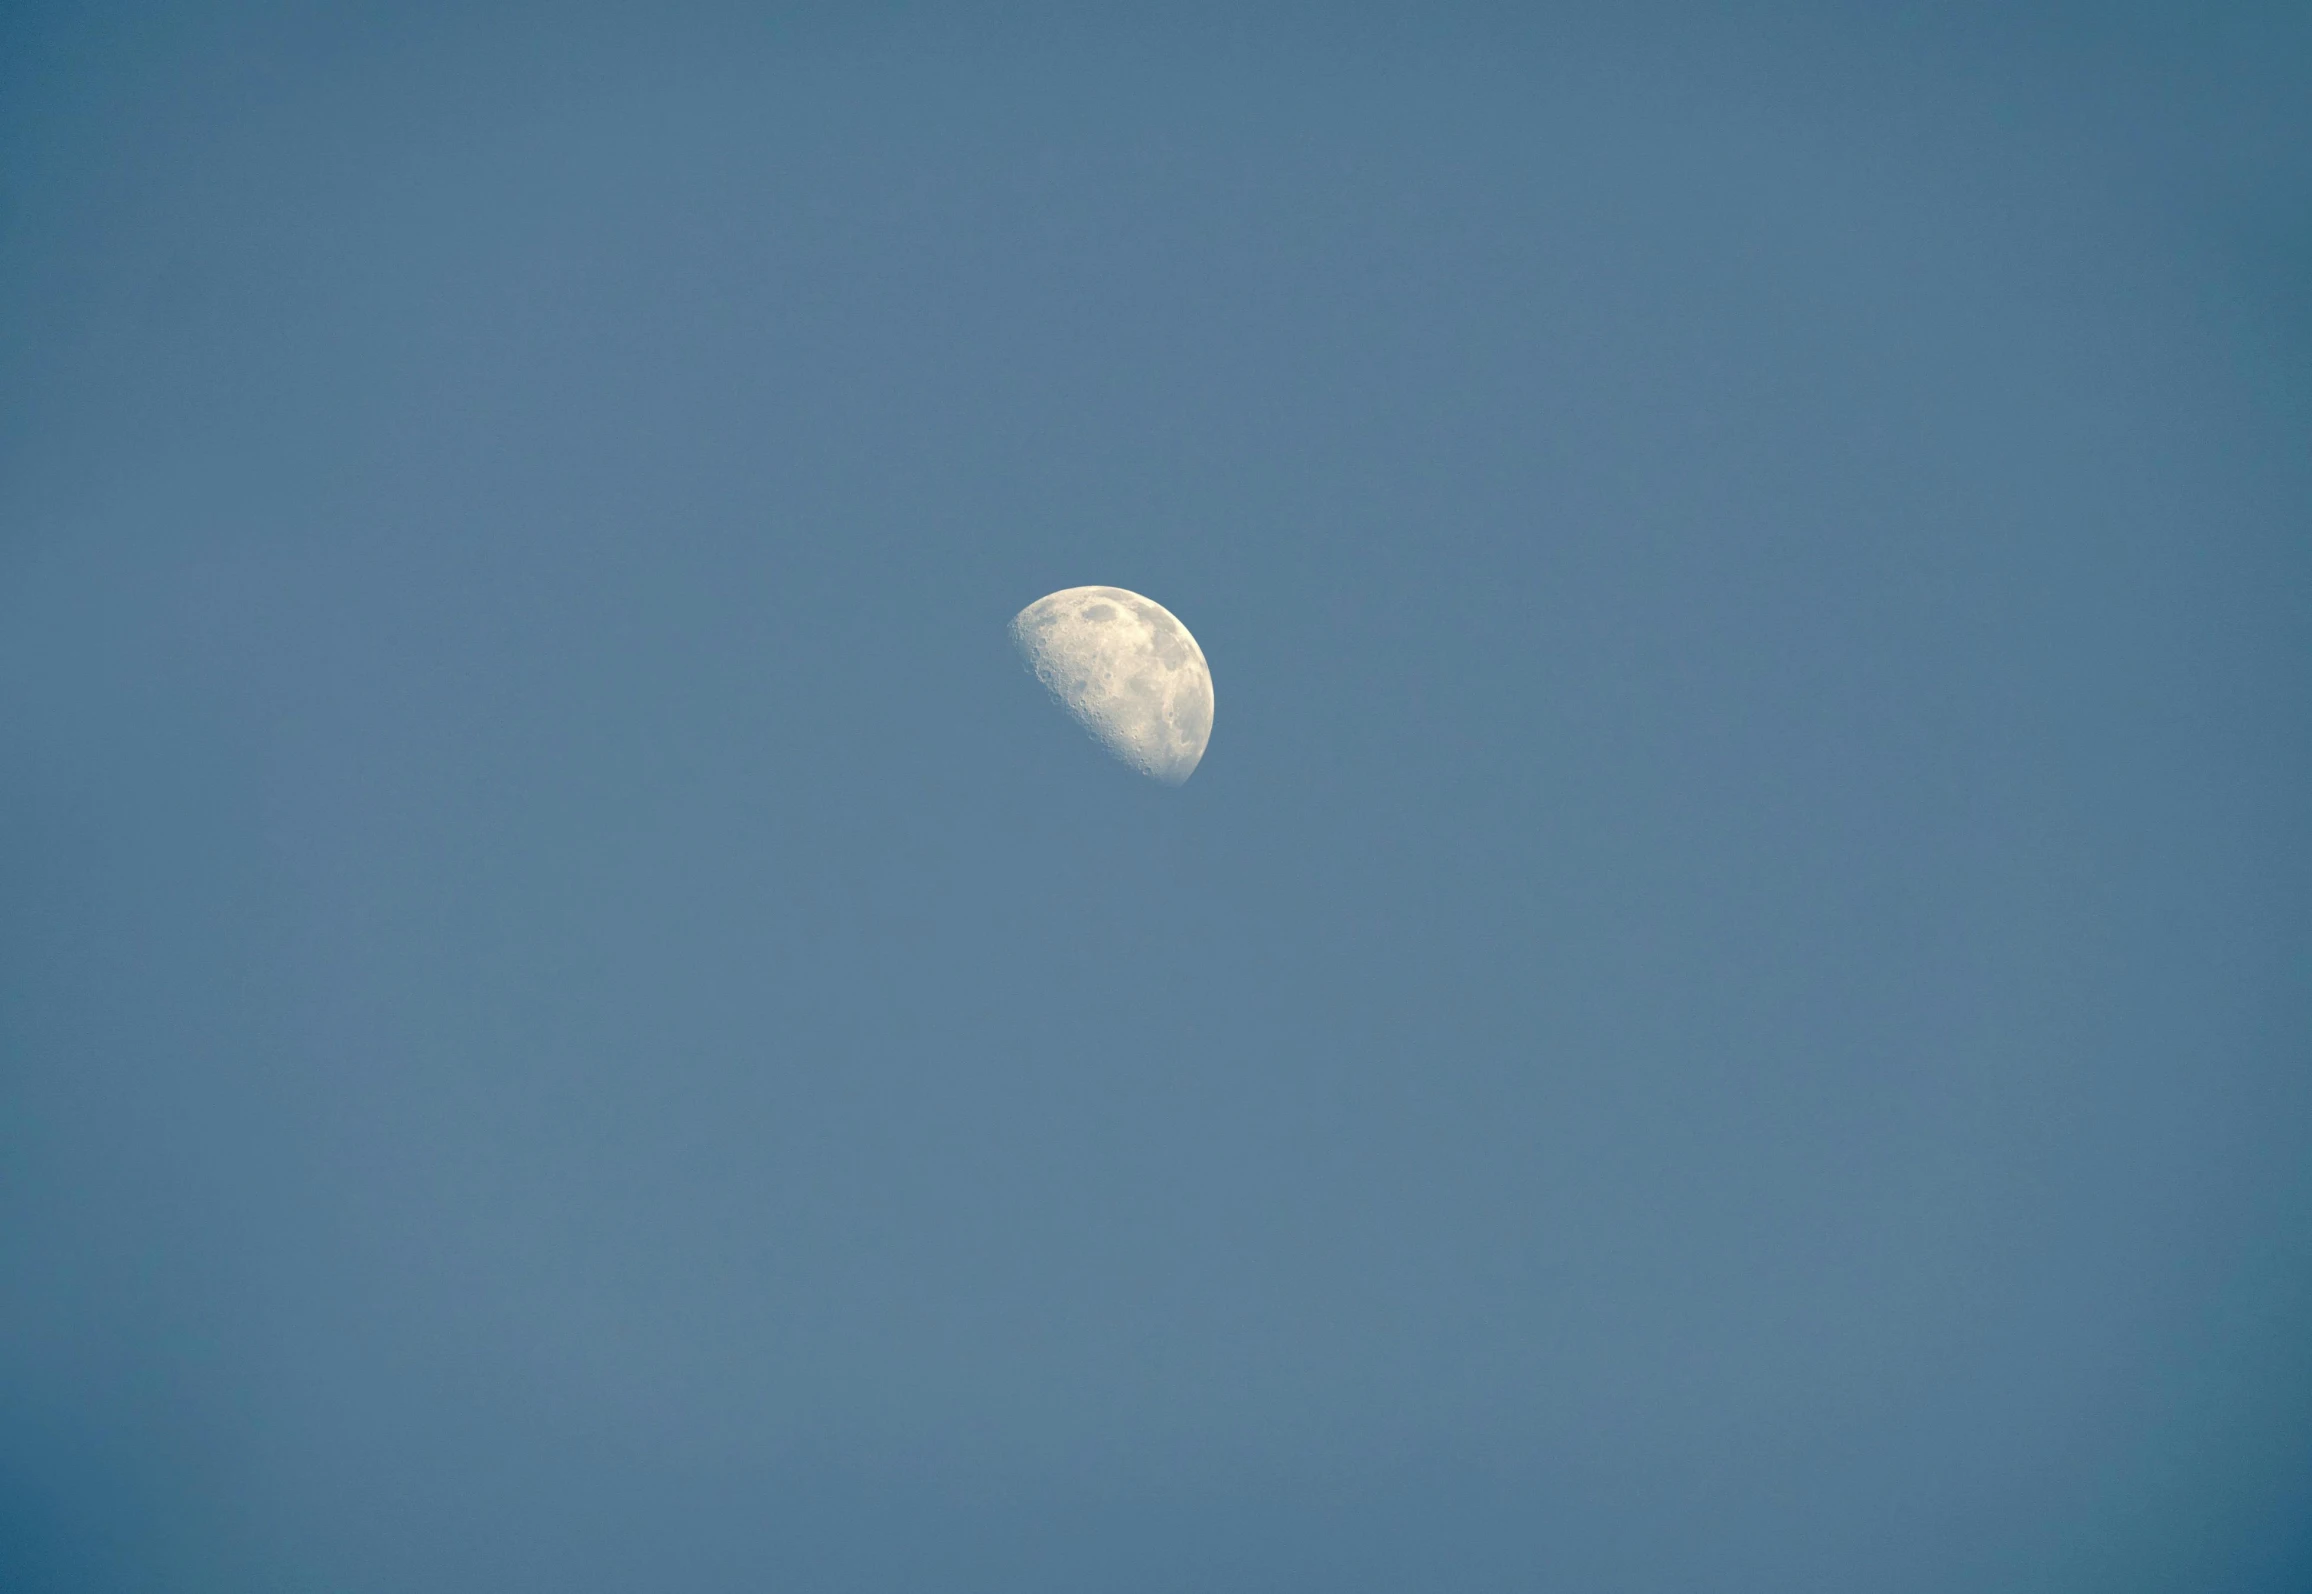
1127 670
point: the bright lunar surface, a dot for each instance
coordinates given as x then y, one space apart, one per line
1127 670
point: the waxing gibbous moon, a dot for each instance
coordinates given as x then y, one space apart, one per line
1127 670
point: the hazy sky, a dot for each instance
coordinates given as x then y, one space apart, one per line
1727 1010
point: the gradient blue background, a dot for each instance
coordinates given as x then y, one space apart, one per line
1728 1009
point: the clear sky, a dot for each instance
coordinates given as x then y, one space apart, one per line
1727 1010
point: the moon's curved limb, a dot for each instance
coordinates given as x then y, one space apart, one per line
1127 670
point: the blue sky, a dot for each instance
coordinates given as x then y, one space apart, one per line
1725 1009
